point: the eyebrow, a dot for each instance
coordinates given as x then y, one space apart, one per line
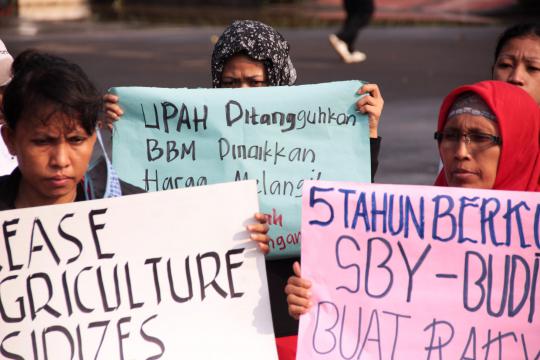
247 77
474 129
513 57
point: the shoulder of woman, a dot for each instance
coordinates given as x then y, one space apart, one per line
9 185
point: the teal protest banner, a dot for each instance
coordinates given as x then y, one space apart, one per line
280 136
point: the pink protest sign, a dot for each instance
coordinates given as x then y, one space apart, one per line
420 272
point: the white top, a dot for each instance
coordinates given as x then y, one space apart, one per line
7 161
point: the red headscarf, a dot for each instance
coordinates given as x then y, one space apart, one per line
518 117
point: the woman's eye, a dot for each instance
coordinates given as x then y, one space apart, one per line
480 138
41 141
504 65
533 68
451 136
229 83
76 139
257 83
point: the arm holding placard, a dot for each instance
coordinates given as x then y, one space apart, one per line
259 232
298 293
372 104
112 109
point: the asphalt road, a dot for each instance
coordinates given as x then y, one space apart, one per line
414 66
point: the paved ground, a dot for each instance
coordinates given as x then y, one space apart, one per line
415 67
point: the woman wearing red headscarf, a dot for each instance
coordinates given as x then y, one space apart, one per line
488 135
489 138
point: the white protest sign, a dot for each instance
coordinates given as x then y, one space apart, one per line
167 275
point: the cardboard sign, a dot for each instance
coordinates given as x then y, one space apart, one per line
170 275
280 136
411 272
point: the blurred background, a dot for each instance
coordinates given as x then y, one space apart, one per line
417 51
283 12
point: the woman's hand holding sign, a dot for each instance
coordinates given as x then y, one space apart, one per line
112 109
298 293
372 105
259 232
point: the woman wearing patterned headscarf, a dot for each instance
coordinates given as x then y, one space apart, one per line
252 54
249 41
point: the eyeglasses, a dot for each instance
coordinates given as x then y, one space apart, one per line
474 140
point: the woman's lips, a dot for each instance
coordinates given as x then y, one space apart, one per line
464 174
59 181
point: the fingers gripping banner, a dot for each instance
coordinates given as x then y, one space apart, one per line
410 272
280 136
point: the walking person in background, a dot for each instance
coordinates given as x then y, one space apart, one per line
359 13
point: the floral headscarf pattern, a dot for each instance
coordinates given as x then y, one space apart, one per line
258 41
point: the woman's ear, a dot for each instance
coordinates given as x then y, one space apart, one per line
8 136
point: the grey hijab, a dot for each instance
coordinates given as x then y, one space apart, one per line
258 41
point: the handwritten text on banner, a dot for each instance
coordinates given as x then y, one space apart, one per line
174 138
409 272
138 277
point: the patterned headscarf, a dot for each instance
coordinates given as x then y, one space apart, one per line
258 41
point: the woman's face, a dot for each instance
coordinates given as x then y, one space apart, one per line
241 71
52 156
519 64
470 162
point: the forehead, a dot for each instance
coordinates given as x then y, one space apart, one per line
472 122
528 45
243 64
49 120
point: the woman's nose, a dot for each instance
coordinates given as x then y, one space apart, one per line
59 157
517 76
462 148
